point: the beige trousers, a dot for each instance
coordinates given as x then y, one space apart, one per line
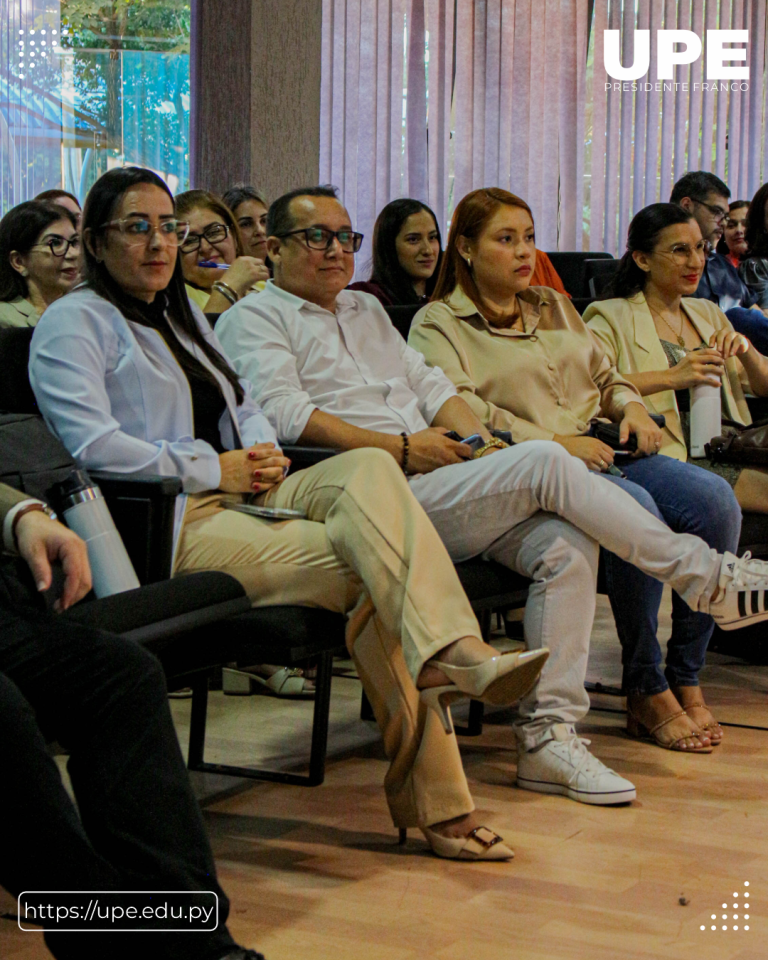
367 550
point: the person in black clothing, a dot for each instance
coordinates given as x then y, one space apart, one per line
705 197
137 825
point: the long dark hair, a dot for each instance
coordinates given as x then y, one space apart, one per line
469 219
100 206
643 235
19 230
756 233
387 272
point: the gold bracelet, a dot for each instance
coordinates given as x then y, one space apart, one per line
494 442
226 291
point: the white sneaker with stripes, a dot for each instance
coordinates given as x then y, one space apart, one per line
742 594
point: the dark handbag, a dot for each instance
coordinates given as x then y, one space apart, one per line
740 444
609 433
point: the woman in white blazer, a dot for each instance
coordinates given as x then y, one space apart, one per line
132 378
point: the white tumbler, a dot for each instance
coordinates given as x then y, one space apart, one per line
83 507
706 417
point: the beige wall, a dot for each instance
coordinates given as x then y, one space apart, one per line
256 79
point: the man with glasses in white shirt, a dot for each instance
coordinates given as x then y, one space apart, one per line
330 370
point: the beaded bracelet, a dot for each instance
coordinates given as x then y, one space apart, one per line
404 463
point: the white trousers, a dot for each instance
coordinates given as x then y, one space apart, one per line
538 510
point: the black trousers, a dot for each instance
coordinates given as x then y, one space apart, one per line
139 826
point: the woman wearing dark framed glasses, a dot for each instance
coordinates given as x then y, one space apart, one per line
39 250
214 238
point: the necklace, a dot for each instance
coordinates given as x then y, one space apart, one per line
678 336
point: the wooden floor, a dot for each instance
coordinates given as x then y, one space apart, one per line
317 873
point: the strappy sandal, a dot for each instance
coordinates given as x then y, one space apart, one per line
637 729
713 729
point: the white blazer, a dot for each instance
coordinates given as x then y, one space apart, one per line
116 397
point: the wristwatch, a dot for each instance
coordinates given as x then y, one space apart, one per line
42 507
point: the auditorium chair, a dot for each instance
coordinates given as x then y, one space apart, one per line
598 274
570 266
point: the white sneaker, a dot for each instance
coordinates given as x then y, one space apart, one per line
742 592
565 766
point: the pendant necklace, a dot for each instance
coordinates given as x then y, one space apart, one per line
678 336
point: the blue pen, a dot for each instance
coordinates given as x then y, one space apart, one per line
213 265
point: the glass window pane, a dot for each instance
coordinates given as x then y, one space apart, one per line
86 86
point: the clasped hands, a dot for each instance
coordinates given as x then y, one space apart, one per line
257 469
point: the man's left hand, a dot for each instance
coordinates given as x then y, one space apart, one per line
636 420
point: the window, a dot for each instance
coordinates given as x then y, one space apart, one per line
86 86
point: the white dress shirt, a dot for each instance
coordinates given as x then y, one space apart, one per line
352 363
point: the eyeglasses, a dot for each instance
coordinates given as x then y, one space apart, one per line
137 230
717 212
681 252
213 233
318 238
59 246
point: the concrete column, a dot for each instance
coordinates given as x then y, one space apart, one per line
255 79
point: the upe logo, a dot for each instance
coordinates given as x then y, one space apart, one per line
718 55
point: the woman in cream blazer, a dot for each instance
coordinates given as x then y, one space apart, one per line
664 341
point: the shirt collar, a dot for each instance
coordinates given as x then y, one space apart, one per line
531 300
344 300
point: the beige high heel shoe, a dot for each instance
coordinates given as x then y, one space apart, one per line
500 680
480 844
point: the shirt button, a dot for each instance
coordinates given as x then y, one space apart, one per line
551 366
193 457
561 402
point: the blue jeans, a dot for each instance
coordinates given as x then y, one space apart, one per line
690 500
753 324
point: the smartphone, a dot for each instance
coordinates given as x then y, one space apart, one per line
475 441
266 513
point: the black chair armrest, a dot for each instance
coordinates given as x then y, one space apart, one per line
144 510
165 610
303 457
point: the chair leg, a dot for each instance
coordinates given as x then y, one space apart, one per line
197 722
320 719
366 710
319 735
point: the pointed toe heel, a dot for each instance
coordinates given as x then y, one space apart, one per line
480 844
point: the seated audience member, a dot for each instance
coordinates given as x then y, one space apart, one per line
545 275
62 198
705 197
664 340
733 244
137 825
332 371
524 361
39 249
250 210
406 254
754 266
214 238
131 377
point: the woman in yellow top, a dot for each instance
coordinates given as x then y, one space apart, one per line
664 340
524 360
214 238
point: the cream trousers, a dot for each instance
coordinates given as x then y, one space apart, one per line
369 551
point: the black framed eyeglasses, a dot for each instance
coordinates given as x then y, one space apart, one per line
213 233
59 246
717 212
319 238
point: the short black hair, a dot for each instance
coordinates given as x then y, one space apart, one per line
19 230
697 184
279 219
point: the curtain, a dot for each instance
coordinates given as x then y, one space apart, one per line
434 98
672 130
385 113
